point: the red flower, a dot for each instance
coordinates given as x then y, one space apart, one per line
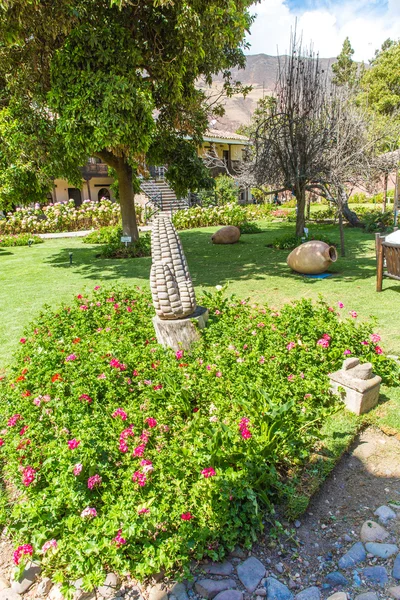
187 516
76 340
22 340
20 378
56 377
26 394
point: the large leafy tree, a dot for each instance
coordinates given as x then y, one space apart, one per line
381 82
345 69
117 79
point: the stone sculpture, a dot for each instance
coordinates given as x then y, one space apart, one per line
226 235
172 289
312 258
361 387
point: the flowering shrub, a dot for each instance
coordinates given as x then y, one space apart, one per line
135 458
64 217
198 216
21 239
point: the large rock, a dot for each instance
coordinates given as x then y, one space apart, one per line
376 575
158 592
224 568
28 577
44 586
55 593
373 532
385 514
209 588
250 573
109 587
367 596
179 592
355 555
276 590
311 593
381 550
9 594
81 594
226 235
338 596
336 579
396 567
394 592
229 595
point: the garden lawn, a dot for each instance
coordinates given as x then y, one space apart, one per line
32 277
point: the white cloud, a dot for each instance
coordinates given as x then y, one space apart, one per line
325 27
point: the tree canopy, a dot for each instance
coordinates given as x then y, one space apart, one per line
381 83
117 79
345 69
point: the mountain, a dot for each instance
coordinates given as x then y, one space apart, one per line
260 72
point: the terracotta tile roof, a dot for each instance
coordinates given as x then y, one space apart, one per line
217 134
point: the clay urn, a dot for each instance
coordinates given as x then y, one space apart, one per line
226 235
312 258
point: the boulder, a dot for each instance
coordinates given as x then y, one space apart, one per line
226 235
373 532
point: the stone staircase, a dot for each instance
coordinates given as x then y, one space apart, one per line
162 198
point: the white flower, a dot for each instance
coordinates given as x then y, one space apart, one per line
218 288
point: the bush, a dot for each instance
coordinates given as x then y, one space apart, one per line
225 192
324 214
375 220
359 198
291 241
64 217
122 455
198 216
250 228
112 247
21 239
104 235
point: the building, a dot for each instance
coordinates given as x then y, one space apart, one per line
223 151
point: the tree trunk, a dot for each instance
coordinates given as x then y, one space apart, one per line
341 232
351 216
127 200
301 207
385 188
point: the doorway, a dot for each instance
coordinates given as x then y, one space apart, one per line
75 195
104 193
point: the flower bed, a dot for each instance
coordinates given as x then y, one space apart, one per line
130 457
21 239
199 216
64 217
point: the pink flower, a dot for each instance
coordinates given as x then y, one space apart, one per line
37 401
187 516
290 377
23 430
143 511
347 352
22 341
378 350
77 469
96 287
218 374
147 382
129 308
140 478
261 360
291 345
330 309
208 472
83 307
323 343
340 305
144 436
353 313
326 337
28 476
157 387
244 428
119 540
49 544
365 343
120 413
179 354
85 397
13 420
74 443
147 465
24 550
2 442
307 396
135 373
101 376
260 324
89 513
139 450
375 338
71 357
93 481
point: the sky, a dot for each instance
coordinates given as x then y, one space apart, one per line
325 23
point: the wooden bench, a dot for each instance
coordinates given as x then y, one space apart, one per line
386 254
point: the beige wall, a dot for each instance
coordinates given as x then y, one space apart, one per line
236 149
95 184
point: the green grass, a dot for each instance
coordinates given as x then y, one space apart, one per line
32 277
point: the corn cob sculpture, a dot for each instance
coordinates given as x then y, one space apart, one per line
170 282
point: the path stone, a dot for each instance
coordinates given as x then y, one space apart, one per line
229 595
396 567
394 592
276 590
9 594
336 578
250 573
261 591
373 532
381 550
338 596
109 587
355 555
224 568
367 596
55 593
385 514
209 588
44 587
158 592
28 577
377 575
179 592
311 593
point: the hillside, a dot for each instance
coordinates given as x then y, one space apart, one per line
260 72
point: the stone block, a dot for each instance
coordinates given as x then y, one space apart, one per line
180 334
361 387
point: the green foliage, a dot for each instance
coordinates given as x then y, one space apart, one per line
226 214
19 239
247 404
359 198
375 220
104 235
247 227
345 69
381 82
112 247
225 191
290 241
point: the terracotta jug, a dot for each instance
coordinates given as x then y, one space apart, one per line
312 258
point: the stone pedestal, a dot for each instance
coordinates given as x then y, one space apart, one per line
361 387
180 334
